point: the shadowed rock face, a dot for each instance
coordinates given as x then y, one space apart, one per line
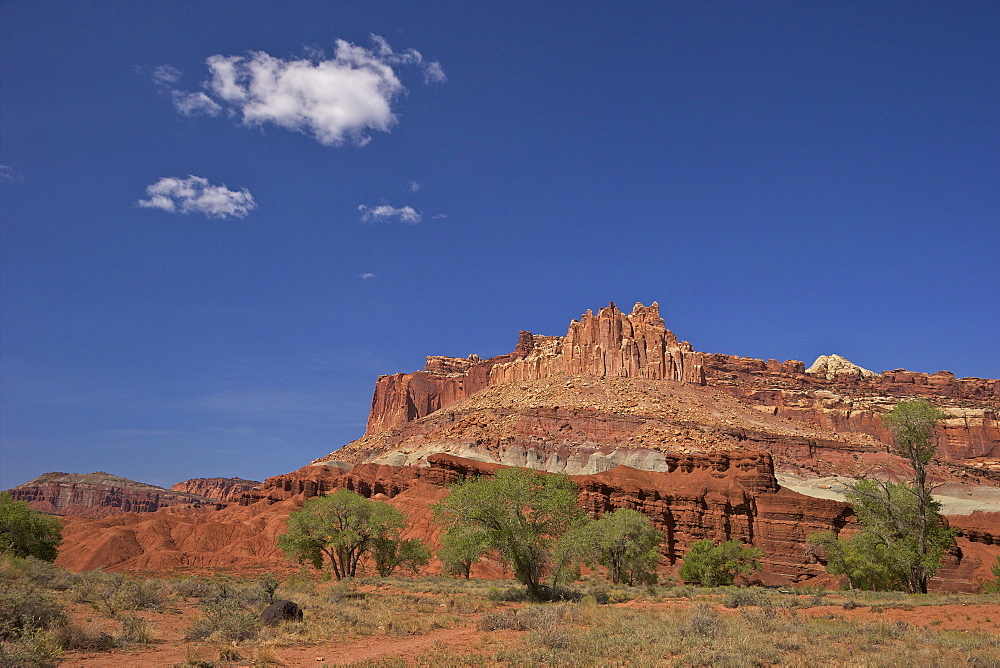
98 495
218 489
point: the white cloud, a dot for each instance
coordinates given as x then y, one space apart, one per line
165 75
433 73
439 215
337 100
195 195
8 174
192 104
412 186
367 275
384 212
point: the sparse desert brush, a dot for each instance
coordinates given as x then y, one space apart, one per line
225 620
26 607
37 647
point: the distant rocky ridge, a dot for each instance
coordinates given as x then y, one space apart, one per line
219 489
98 495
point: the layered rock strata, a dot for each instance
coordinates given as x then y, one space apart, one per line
218 489
717 497
835 406
98 495
610 343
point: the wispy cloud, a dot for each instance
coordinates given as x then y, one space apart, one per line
439 215
337 100
195 195
8 174
367 275
385 213
412 186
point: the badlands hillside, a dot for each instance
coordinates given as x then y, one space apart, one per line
707 445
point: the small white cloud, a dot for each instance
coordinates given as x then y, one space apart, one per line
413 186
334 100
384 213
192 104
433 73
439 215
195 195
367 275
165 75
8 174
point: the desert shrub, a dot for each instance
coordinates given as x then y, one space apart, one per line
25 607
712 565
135 629
744 597
74 637
36 647
226 620
139 595
526 619
267 585
702 620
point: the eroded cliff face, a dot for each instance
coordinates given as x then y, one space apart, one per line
827 418
611 343
217 489
851 404
718 496
98 495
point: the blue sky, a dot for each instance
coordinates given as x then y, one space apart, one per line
221 221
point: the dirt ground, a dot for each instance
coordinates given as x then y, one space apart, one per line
170 649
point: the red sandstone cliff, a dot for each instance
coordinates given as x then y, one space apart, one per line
610 343
217 489
838 411
97 495
718 496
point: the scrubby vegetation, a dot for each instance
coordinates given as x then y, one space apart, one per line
46 612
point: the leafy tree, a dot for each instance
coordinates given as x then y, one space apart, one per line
27 533
461 547
902 541
521 515
391 553
712 565
343 527
627 543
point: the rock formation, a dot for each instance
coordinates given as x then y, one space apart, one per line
217 489
98 495
832 366
717 496
610 343
827 416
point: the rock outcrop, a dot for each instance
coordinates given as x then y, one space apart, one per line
217 489
610 343
717 496
828 415
834 366
98 495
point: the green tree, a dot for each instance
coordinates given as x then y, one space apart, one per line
391 553
461 547
343 528
521 515
628 545
27 533
901 541
911 424
713 565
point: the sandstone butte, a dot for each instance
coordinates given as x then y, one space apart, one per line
640 420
